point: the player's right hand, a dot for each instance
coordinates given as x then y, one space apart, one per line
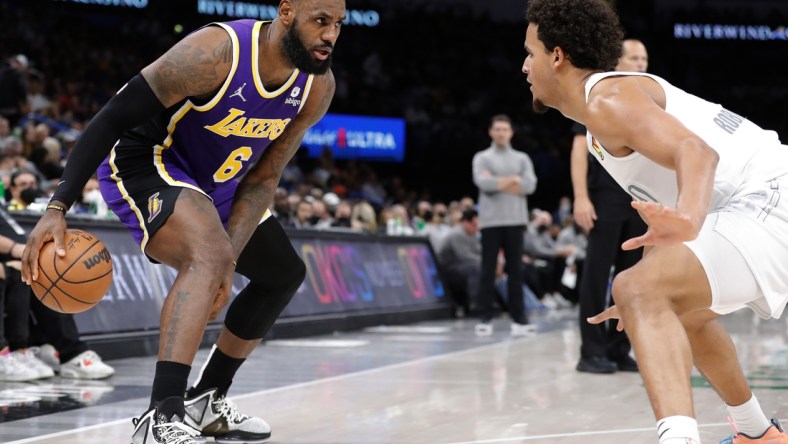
51 227
584 213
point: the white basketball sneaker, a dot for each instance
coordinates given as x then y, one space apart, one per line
153 427
13 371
86 365
28 359
216 416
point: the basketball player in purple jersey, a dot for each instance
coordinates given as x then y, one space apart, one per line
197 143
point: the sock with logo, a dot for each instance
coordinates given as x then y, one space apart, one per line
749 418
678 430
217 372
170 380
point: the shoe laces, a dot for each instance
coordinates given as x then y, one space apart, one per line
175 432
229 410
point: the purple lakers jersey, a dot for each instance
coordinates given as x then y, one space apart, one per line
209 146
217 142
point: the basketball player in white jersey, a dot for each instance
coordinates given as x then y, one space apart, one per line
706 181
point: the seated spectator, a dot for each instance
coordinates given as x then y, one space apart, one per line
281 210
572 237
68 354
321 217
363 218
22 181
461 261
549 260
342 215
400 214
303 215
530 301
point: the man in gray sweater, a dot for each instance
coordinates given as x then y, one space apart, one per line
504 178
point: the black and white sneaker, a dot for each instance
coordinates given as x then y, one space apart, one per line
154 427
214 415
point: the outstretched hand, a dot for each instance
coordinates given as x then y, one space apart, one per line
610 313
666 226
51 227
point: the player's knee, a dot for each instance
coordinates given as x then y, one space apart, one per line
289 275
287 283
214 259
630 291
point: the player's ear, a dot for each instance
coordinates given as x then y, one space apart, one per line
287 11
559 56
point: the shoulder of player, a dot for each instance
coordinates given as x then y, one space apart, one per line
614 102
195 66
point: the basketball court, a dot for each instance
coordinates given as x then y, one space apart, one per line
432 382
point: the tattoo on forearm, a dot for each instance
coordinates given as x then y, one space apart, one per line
175 321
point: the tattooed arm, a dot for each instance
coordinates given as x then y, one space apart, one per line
194 67
255 193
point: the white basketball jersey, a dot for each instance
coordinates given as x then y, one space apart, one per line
735 139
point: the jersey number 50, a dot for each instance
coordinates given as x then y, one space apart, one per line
233 164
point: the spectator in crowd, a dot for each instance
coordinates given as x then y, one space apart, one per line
342 215
89 201
548 259
571 237
504 177
460 257
47 158
303 215
436 228
13 88
24 189
282 210
5 129
321 217
530 302
399 213
423 213
363 218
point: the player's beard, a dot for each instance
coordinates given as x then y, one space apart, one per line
300 56
539 106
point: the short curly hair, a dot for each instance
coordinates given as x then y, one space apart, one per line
588 31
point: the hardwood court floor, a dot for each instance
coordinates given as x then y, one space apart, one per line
431 383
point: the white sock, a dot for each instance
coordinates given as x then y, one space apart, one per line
678 430
749 418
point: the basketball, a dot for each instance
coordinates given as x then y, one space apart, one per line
78 281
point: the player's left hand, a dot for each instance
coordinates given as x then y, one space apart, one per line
610 313
666 226
223 295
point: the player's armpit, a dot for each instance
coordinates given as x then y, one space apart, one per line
194 67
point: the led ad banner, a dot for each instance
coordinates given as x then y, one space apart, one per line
358 137
345 273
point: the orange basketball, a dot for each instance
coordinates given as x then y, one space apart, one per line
78 281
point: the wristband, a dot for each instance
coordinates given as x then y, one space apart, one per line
57 207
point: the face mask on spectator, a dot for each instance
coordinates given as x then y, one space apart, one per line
92 197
